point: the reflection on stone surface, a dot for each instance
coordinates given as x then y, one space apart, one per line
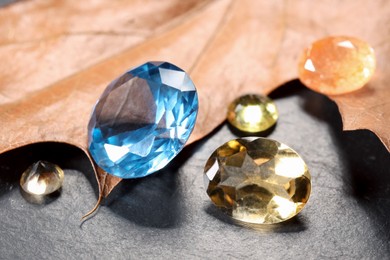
337 65
142 120
252 113
257 180
42 178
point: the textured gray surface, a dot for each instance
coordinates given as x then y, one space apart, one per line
169 216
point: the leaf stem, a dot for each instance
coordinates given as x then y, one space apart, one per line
94 208
97 205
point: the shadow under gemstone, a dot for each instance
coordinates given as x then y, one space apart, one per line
294 224
154 200
13 163
41 199
240 133
366 176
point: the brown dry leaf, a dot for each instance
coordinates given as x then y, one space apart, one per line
258 46
369 108
52 73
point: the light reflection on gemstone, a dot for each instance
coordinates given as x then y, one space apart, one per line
42 178
257 180
252 113
337 65
309 65
346 44
142 120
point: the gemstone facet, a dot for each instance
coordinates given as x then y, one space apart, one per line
337 65
257 180
142 120
252 113
42 178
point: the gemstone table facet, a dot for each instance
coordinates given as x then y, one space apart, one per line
337 65
142 120
42 178
252 113
257 180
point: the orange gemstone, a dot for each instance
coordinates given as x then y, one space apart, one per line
337 65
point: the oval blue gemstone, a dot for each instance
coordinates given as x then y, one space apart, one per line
142 120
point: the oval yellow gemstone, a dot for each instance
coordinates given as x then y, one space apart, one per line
252 113
257 180
337 65
42 178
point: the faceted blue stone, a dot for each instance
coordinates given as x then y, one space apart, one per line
142 120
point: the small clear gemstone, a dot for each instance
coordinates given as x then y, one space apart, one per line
337 65
252 113
257 180
142 120
42 178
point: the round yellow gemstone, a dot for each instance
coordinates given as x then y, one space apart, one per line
337 65
252 113
257 180
42 178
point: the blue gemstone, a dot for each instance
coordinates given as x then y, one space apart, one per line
142 120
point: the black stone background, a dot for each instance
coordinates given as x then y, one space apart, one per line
168 215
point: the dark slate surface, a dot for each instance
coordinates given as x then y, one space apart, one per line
169 216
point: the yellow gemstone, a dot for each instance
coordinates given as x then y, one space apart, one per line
42 178
252 113
257 180
337 65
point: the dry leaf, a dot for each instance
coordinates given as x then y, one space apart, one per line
369 108
258 46
52 73
60 111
